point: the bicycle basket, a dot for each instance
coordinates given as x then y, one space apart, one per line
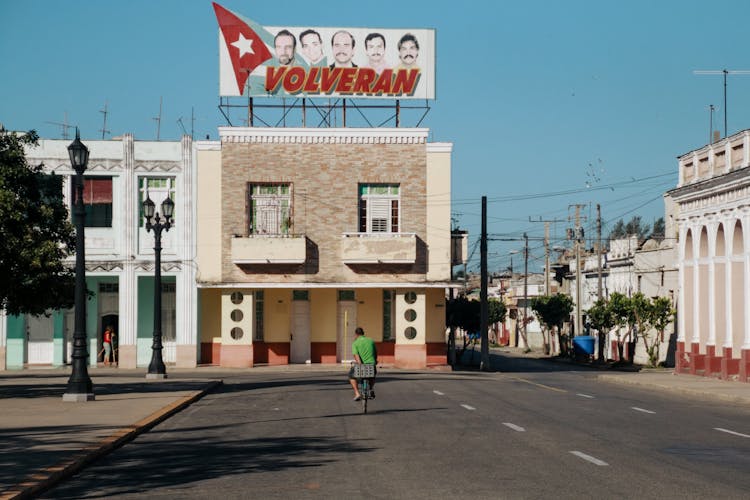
364 371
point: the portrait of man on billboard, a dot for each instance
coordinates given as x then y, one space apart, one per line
408 51
375 50
342 44
312 48
285 44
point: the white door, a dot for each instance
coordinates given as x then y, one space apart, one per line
347 323
300 343
39 332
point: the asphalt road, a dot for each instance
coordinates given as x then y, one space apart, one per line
536 430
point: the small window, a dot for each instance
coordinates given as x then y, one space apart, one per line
236 315
97 200
410 315
270 209
346 295
237 333
300 295
236 298
410 333
379 208
410 297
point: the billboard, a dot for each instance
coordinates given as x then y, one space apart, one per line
305 61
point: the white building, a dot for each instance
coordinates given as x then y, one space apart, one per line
120 256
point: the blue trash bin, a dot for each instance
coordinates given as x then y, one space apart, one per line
584 344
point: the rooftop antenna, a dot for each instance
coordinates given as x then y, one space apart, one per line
192 121
179 120
65 126
724 72
158 120
104 125
711 123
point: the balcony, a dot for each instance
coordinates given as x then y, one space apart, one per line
379 248
269 249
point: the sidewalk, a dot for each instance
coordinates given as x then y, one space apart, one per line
46 440
663 379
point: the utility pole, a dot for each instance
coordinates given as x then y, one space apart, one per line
485 362
578 239
104 125
157 119
599 251
546 250
525 287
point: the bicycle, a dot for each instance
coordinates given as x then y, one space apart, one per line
363 374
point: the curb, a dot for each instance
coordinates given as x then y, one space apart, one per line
44 479
687 391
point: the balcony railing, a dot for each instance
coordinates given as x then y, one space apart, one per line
269 249
379 248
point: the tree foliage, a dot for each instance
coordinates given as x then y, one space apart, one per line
552 311
35 232
658 232
634 227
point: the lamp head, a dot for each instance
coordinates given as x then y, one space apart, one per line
79 154
149 208
167 208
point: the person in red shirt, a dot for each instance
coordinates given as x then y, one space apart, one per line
107 341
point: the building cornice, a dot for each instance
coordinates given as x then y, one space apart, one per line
276 135
439 147
207 145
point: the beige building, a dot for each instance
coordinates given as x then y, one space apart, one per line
303 234
713 218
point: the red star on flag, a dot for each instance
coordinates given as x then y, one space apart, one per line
246 49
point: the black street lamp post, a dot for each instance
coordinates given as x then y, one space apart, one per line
80 388
156 368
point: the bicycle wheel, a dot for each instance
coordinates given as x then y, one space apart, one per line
365 394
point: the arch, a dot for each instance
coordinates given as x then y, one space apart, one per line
688 297
738 288
720 288
704 297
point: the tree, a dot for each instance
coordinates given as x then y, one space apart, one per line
641 317
662 314
619 305
602 320
618 231
496 312
552 311
636 227
35 232
658 232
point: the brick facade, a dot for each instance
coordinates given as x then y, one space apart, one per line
324 180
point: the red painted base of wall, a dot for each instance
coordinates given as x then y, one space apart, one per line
437 353
681 361
410 356
697 360
712 364
272 353
323 352
386 353
237 356
210 353
744 368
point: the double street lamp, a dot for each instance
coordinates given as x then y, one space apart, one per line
79 388
156 368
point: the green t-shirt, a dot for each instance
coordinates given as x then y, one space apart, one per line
364 347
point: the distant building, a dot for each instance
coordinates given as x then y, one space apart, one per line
713 219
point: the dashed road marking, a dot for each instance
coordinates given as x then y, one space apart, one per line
439 393
732 432
589 458
585 396
538 385
515 427
641 409
470 408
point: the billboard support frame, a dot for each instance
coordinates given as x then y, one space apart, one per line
326 112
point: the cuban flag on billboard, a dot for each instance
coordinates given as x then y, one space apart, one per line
243 43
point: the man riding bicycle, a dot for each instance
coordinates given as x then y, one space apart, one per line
365 353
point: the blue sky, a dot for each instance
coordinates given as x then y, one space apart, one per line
539 98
